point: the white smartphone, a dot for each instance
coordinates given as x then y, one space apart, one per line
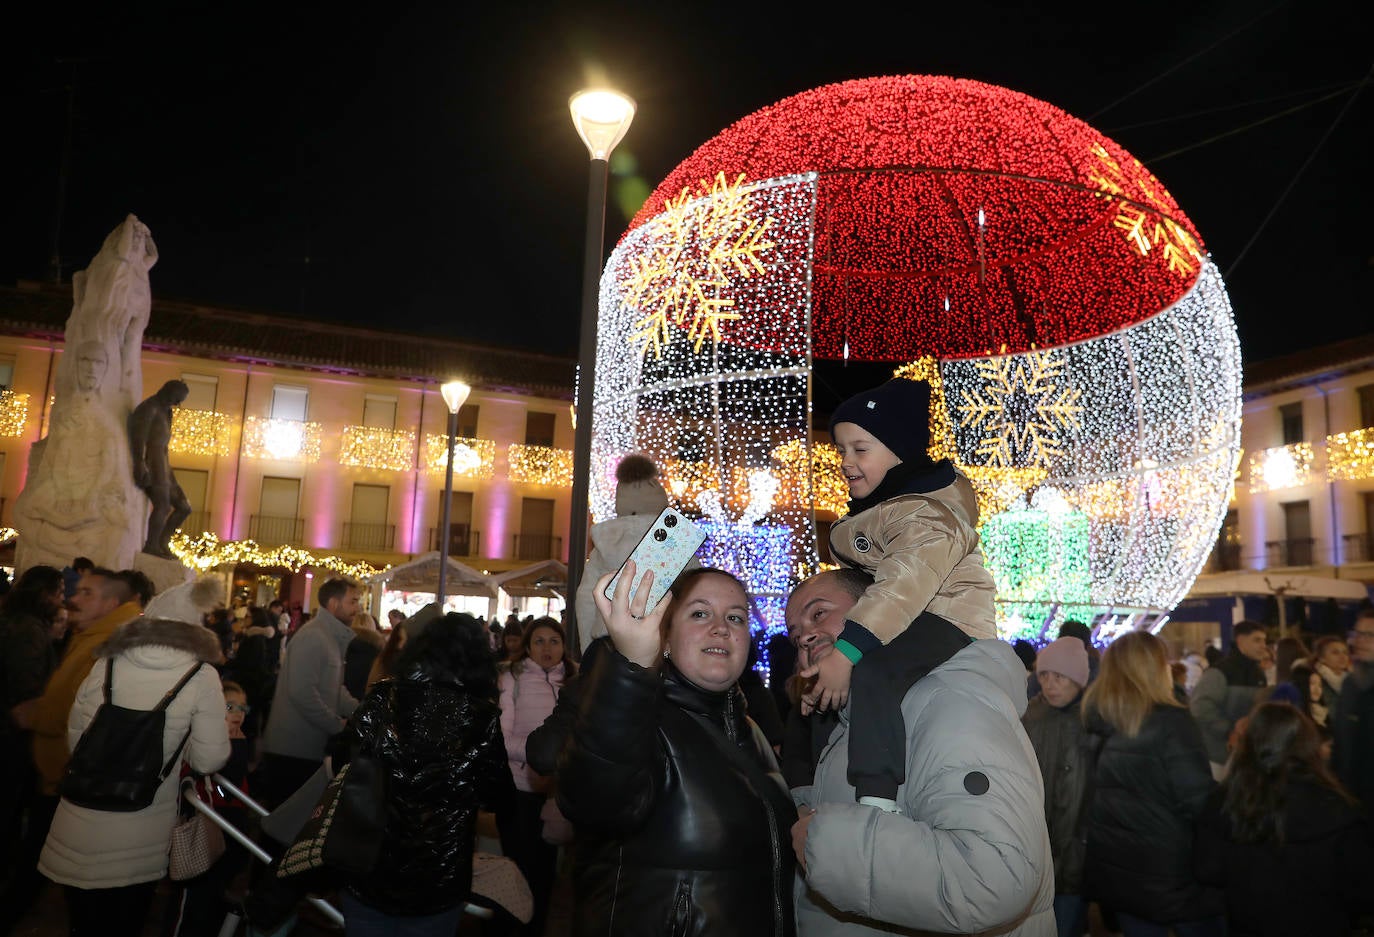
666 548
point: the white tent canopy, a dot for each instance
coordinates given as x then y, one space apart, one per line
547 579
1285 584
422 575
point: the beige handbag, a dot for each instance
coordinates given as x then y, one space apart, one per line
196 844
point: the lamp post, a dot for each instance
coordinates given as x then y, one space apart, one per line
601 117
454 393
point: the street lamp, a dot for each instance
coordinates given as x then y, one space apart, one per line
454 393
602 117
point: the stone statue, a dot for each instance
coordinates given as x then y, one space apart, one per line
150 430
79 497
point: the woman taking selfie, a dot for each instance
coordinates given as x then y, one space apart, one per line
683 821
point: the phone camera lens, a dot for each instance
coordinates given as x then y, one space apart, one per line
660 535
670 521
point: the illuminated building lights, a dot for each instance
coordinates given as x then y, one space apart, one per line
540 465
1350 456
201 432
377 448
7 534
14 413
206 551
1281 467
285 440
1079 339
472 458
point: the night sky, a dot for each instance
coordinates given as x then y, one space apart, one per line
416 168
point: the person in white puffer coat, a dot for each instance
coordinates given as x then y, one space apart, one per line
110 863
529 690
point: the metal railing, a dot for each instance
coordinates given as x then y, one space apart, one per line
1291 552
369 536
197 522
1358 548
270 530
462 540
537 546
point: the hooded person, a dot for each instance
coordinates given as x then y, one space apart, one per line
639 497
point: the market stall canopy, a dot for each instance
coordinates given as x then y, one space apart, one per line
1312 587
545 579
422 575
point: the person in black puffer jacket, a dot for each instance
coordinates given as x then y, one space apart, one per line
683 823
1286 842
436 727
1151 782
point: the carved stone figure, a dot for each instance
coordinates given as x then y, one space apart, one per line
150 430
79 497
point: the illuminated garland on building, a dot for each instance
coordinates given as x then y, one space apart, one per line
377 448
285 440
200 432
14 413
1350 456
540 465
472 458
1080 339
206 551
1281 467
7 534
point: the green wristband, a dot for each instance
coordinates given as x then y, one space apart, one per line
848 650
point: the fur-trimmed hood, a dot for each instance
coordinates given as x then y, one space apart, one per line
196 640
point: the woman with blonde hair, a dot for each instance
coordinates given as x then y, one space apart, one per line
1151 782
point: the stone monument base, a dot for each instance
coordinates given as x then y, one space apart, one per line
163 572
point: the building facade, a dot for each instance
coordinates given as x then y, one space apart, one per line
325 442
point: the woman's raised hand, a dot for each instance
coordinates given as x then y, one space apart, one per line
635 634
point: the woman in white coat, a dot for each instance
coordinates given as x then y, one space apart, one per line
110 863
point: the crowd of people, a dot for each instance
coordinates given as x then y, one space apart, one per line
907 772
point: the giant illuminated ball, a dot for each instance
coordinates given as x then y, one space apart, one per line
1046 283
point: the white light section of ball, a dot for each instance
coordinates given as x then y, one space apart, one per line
711 412
1148 458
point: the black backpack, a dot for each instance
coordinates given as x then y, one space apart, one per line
117 765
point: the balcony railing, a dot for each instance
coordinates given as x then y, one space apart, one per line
269 530
1293 552
462 540
197 522
369 536
537 546
1359 548
1225 558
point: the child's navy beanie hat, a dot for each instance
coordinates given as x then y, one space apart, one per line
896 413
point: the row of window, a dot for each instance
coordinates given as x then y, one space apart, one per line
1296 546
278 520
1290 415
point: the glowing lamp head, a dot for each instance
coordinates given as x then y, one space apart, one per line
602 118
455 393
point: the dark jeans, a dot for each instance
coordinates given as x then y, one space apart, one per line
1133 926
282 775
362 920
877 732
523 843
108 912
26 882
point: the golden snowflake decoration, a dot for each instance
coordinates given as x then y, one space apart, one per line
1143 228
1021 410
707 240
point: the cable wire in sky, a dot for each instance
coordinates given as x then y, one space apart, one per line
1292 182
1173 68
1341 86
1356 86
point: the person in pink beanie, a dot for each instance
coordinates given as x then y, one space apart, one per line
1054 723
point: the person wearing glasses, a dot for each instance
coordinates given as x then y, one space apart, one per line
1353 726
